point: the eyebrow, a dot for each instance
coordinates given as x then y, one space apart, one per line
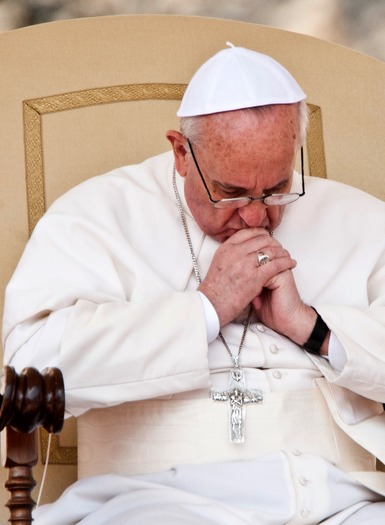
228 187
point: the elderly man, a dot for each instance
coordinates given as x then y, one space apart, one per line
225 311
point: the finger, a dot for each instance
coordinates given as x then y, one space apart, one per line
248 234
274 267
261 242
267 254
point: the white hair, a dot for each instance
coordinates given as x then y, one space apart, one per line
190 127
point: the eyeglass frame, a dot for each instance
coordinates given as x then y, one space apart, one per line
248 198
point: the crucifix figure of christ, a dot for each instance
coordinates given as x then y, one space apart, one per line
238 397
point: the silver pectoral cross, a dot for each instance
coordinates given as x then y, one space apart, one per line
238 397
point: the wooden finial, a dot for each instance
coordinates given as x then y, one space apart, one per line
30 399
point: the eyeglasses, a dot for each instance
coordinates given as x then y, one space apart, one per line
273 199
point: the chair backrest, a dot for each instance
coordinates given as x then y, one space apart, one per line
80 97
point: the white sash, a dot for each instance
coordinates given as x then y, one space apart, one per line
155 435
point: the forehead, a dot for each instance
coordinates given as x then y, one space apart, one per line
268 124
235 145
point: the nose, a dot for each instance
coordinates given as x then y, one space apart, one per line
254 214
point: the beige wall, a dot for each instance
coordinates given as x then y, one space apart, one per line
359 25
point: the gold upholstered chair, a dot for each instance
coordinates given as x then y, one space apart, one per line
80 97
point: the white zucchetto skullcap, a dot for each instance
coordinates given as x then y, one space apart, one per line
237 78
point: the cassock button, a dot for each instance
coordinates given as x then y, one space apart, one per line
277 374
274 349
303 481
304 513
260 327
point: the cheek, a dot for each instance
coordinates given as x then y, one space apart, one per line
275 215
198 203
210 220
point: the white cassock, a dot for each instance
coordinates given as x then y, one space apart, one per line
110 265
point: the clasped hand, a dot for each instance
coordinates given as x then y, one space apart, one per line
235 279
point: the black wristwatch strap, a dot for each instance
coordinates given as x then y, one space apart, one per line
317 337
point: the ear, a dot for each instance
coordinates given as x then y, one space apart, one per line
178 141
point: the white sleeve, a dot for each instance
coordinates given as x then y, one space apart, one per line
43 348
337 355
211 318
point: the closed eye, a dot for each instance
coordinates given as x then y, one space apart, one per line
229 191
277 188
232 192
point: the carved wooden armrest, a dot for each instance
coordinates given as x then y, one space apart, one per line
30 400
